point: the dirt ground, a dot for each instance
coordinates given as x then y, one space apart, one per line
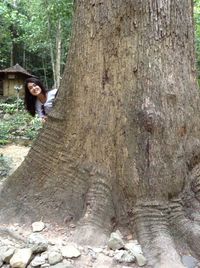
14 152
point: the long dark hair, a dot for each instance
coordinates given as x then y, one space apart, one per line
29 99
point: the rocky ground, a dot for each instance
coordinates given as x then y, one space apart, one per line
46 244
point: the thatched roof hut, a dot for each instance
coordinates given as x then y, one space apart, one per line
12 80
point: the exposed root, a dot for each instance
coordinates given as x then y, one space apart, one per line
188 230
152 226
96 224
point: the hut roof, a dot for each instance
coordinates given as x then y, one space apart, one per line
16 69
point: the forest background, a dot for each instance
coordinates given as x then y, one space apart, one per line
36 35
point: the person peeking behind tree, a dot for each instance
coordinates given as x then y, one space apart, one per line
37 99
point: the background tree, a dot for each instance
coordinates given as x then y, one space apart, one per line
122 144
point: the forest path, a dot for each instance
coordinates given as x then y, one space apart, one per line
16 153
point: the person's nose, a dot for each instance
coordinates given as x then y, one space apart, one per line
34 88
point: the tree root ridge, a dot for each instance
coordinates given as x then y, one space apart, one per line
152 226
99 209
184 228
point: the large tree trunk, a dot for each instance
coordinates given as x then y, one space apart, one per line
122 143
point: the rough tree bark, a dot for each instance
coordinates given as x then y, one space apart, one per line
122 143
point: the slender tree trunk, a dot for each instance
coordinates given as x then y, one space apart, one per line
11 55
122 143
24 56
58 54
51 47
45 75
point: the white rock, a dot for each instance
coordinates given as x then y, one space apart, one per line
141 260
21 258
45 265
37 261
111 253
136 250
44 255
38 226
7 242
134 247
115 241
54 257
6 252
124 256
70 251
97 250
37 243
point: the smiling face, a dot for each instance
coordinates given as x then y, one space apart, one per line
34 89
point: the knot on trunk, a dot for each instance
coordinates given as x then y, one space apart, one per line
149 118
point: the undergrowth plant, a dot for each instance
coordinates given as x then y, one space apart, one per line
15 123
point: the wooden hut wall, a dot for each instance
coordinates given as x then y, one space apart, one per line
9 83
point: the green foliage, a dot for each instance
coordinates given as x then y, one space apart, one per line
26 33
11 105
16 124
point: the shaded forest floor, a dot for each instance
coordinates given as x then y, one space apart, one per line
15 154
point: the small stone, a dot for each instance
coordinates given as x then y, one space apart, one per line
7 242
136 250
54 257
97 250
13 229
124 256
134 247
21 258
37 261
44 255
38 226
106 252
115 241
189 261
68 262
93 255
129 237
111 253
6 253
141 260
37 243
72 225
70 251
45 265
